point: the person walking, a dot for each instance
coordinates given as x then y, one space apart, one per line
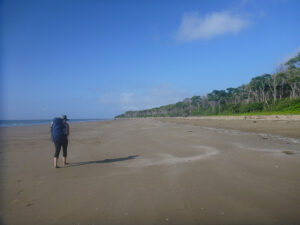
60 130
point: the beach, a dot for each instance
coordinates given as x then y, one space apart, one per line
154 171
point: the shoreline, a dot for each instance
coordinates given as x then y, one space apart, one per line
26 123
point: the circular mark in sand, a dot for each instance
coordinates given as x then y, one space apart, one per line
169 159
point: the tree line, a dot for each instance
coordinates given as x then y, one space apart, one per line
279 91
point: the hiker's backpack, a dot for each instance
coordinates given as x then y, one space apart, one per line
58 130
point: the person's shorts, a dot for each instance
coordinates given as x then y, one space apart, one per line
59 145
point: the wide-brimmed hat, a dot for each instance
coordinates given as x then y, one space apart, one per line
64 117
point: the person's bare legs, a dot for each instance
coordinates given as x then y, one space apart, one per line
65 161
55 163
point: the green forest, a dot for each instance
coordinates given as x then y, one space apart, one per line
277 93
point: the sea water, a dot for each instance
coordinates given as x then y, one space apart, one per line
16 123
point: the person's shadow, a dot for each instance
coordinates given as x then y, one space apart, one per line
102 161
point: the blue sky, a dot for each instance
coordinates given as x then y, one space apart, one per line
97 59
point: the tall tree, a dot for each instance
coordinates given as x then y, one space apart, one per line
294 80
294 62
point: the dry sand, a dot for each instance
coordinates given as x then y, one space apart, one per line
283 125
153 171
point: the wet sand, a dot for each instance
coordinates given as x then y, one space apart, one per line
153 171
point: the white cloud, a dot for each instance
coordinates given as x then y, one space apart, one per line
146 99
107 98
126 98
194 27
123 99
291 55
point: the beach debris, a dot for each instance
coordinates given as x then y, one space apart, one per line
29 204
254 121
190 131
276 166
222 213
288 152
167 219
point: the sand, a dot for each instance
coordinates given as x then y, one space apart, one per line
154 171
282 125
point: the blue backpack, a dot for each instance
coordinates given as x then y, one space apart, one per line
59 130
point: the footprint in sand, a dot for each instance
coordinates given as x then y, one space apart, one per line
29 204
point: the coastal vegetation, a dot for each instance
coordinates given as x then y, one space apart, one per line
277 93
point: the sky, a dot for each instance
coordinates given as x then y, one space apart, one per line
98 59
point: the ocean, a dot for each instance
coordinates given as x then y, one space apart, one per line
16 123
